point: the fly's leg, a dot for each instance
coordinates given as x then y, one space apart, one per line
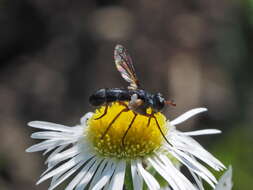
160 130
114 119
129 126
105 112
149 120
106 109
150 116
123 104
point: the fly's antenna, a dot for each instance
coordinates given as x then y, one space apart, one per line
170 102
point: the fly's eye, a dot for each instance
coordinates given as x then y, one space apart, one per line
159 101
159 97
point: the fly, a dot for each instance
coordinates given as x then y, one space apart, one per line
139 99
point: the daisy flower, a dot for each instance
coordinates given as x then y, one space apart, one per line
91 160
225 182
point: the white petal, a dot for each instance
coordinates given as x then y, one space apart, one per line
59 180
81 174
49 126
85 181
56 151
105 176
118 177
136 178
71 152
85 157
179 179
206 157
44 145
148 178
196 167
198 180
50 135
202 132
225 182
164 174
189 145
51 165
187 115
85 118
98 173
106 187
64 167
48 150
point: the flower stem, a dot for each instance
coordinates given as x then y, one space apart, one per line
128 178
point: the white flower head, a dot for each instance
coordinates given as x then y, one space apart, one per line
98 160
225 182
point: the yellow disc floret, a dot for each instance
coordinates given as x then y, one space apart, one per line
141 140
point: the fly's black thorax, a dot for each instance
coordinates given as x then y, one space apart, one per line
155 101
144 95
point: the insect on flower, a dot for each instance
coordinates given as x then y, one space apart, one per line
132 98
101 152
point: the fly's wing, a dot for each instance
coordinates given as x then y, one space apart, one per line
125 66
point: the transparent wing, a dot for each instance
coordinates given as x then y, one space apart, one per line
125 66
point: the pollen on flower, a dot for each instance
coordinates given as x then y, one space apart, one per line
141 140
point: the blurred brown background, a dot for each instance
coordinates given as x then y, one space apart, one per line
54 54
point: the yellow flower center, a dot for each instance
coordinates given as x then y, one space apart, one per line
110 136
